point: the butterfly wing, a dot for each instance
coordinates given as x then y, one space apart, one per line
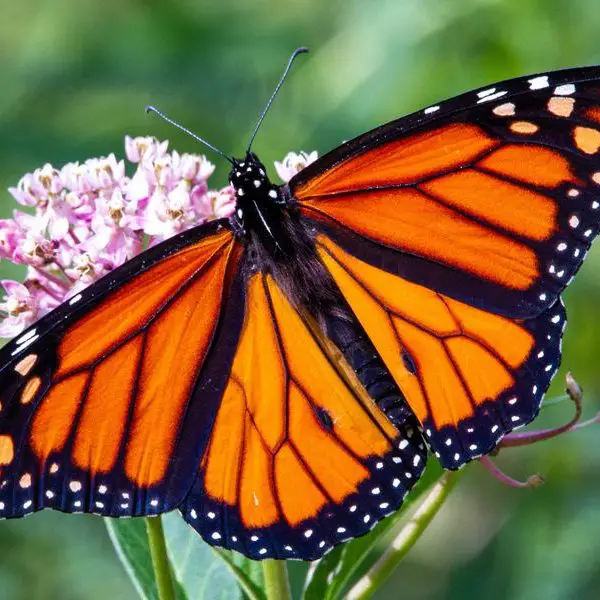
470 376
452 233
492 198
108 401
297 461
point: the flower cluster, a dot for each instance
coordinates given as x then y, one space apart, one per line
88 218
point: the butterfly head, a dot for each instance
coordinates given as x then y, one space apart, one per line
252 186
249 177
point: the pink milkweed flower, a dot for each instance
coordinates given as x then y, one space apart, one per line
35 189
36 250
11 236
222 202
139 148
19 308
90 217
294 163
170 213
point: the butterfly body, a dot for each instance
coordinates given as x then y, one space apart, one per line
404 287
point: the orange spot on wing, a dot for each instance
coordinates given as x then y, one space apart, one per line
523 127
402 161
504 204
53 421
587 139
505 110
30 390
223 459
133 305
257 503
26 364
7 450
561 106
531 164
104 415
409 221
176 345
300 498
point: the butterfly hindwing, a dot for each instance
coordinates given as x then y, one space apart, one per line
297 462
107 402
492 198
468 375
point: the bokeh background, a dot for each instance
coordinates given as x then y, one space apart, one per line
74 78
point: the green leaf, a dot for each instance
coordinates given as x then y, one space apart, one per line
204 573
331 575
130 539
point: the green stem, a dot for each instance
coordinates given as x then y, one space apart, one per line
406 539
277 582
160 560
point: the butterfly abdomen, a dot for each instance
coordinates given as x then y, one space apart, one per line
369 368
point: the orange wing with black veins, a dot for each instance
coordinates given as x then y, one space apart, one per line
108 403
297 461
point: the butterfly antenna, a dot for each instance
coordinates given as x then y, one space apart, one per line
295 53
152 109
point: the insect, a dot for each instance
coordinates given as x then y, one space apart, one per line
428 255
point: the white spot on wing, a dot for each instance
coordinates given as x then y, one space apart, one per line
24 345
565 90
492 97
26 336
538 83
484 93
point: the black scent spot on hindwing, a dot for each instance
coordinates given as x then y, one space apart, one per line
409 363
324 418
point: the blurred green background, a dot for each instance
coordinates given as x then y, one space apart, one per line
74 78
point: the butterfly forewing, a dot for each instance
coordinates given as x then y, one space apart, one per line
97 402
492 199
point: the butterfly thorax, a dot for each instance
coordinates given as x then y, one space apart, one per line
260 206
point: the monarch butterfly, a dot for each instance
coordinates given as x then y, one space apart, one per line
429 254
